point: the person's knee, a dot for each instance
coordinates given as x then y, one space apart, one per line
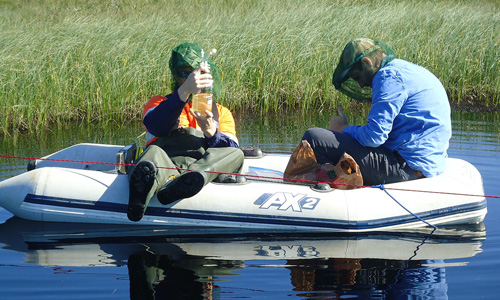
313 134
155 148
151 149
227 153
237 155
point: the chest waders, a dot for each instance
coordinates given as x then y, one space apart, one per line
185 148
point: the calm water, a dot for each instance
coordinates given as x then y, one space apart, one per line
64 261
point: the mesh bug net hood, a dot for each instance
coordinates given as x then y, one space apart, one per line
353 52
185 58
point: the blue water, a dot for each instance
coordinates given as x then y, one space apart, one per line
70 261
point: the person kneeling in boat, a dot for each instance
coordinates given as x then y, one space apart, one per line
182 144
409 125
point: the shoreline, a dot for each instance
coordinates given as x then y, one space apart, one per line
354 107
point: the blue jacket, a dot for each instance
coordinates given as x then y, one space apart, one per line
410 114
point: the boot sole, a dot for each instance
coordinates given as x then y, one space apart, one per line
185 186
141 182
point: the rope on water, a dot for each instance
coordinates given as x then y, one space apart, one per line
407 264
381 186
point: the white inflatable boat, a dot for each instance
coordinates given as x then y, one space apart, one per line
84 184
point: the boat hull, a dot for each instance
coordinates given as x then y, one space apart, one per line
90 193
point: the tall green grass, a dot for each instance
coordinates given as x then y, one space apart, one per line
99 61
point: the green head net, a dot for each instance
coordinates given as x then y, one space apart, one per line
352 54
185 58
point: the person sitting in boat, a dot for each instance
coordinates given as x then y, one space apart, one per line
409 125
182 144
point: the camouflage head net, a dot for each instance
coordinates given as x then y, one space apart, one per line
353 52
185 58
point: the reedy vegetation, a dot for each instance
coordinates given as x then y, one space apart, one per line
99 61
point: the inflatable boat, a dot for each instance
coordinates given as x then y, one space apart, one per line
87 183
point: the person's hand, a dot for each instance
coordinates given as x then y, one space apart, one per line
198 79
338 123
206 122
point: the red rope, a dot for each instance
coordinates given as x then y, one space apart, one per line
248 175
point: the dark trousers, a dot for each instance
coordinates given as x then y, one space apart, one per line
377 165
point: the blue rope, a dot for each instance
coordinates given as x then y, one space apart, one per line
400 271
381 186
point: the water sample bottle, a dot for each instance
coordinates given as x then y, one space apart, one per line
203 100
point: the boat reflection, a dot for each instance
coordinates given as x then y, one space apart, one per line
187 263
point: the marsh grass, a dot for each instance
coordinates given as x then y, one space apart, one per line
99 61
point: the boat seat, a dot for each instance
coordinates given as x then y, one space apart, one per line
252 152
125 156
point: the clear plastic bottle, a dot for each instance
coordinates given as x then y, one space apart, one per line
203 100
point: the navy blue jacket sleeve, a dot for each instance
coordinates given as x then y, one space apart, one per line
160 120
220 140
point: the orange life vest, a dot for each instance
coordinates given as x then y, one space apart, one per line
225 125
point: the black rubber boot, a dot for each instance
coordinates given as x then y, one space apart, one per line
141 182
185 186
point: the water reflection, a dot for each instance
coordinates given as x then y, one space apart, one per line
371 279
193 264
160 277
